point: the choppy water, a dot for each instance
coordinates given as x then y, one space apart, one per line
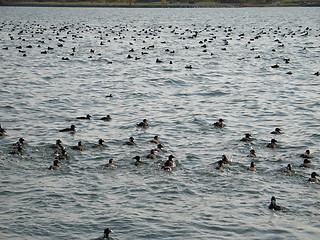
41 93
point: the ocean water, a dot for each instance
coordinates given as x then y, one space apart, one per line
231 52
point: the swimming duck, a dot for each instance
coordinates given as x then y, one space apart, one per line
144 123
100 144
107 118
159 148
306 154
78 147
152 154
252 153
155 140
288 169
169 164
57 145
18 151
111 163
274 205
106 233
220 165
220 123
19 143
55 165
306 163
277 131
62 155
313 177
109 96
247 138
88 116
225 159
72 129
252 167
272 144
138 160
2 131
130 142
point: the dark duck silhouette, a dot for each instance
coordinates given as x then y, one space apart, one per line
273 205
220 165
219 124
252 167
88 116
155 140
107 118
130 142
110 164
272 144
252 153
169 164
306 154
277 131
55 165
2 131
152 154
72 129
100 144
306 163
288 169
78 147
138 160
143 124
313 177
247 138
106 233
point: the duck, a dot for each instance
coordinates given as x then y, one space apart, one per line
306 154
138 160
273 205
155 140
88 116
152 154
220 123
143 124
288 169
2 131
225 159
106 233
313 177
55 165
247 138
130 142
159 148
78 147
110 164
72 129
220 165
277 131
252 153
57 145
19 143
109 96
18 151
306 163
252 167
62 155
100 144
107 118
272 144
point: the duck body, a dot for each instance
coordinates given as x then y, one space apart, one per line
277 131
143 124
288 169
55 165
79 147
306 163
72 129
314 177
100 144
272 144
306 155
252 153
247 138
219 124
107 118
130 142
155 140
152 154
88 117
220 165
252 167
225 160
2 131
138 161
273 205
110 164
169 164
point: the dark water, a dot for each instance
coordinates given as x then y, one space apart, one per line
41 93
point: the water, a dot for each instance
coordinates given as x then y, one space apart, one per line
41 93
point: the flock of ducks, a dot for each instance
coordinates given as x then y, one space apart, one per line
62 34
